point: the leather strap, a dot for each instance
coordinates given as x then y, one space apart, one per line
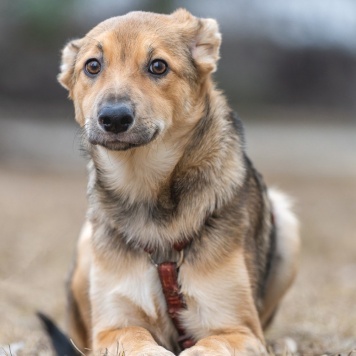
168 275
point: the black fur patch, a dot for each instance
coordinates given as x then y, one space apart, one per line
60 342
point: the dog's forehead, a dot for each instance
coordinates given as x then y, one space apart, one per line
139 26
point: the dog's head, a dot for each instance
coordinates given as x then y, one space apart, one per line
134 77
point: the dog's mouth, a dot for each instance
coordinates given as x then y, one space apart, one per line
123 141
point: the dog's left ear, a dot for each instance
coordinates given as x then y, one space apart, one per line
206 40
206 48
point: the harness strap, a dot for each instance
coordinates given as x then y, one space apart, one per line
168 276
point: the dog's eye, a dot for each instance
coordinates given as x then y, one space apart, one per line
92 67
158 67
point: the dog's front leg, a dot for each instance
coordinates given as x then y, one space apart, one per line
240 342
123 307
130 341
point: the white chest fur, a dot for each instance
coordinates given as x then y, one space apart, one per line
138 173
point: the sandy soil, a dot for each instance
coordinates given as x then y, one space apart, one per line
41 211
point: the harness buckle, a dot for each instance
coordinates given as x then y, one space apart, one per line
178 262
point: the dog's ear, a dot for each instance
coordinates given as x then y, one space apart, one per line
206 39
69 55
206 48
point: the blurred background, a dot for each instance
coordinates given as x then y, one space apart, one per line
288 69
298 53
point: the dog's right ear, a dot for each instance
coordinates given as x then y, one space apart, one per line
69 55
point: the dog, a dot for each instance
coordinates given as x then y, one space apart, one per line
184 250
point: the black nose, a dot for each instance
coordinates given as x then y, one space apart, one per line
116 118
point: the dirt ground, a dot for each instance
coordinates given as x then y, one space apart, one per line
42 206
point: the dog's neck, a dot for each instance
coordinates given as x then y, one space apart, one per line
139 173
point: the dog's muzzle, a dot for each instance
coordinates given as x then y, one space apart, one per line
117 127
116 118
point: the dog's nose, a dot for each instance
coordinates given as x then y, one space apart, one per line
116 118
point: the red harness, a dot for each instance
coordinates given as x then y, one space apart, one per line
168 275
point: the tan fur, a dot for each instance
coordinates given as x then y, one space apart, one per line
79 288
230 280
185 177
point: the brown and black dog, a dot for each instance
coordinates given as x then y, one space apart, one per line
167 165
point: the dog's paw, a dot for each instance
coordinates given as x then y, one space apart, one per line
151 351
200 350
204 351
